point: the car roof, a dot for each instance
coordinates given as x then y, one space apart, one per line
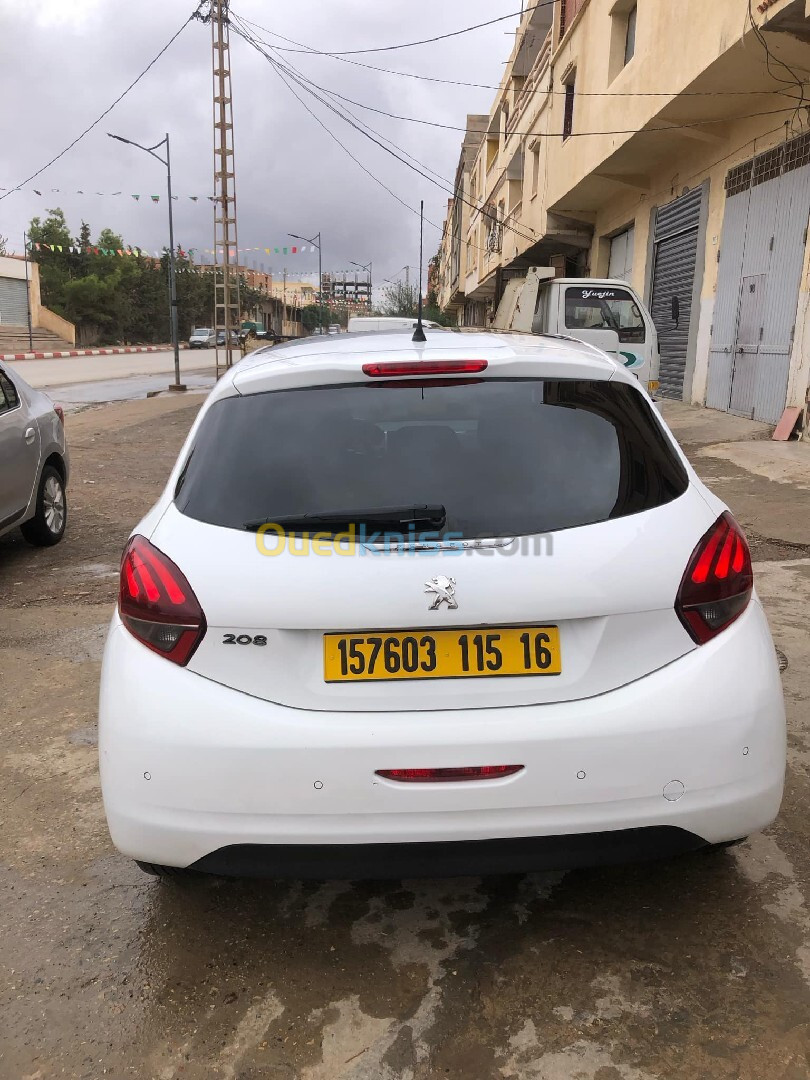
322 360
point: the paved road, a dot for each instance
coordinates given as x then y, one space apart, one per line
77 382
686 970
83 369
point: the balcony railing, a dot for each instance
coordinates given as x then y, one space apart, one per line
531 86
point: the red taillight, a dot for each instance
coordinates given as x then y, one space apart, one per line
718 582
156 603
60 412
433 776
424 367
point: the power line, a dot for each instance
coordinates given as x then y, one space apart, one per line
305 85
285 73
424 41
560 135
238 22
343 147
769 56
491 86
106 112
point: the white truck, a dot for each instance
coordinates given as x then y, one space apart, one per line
603 312
380 324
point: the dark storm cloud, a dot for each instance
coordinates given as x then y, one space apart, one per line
64 61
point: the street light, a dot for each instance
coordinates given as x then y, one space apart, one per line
367 268
317 241
176 385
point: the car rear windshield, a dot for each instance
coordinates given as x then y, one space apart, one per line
504 457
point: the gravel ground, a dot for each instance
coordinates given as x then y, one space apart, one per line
695 968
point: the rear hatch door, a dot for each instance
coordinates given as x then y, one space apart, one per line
569 518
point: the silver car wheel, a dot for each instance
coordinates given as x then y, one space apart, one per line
53 505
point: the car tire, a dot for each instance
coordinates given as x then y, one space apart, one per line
166 873
47 526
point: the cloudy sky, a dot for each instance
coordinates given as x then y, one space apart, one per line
64 61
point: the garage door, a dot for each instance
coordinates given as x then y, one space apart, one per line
761 258
677 226
13 305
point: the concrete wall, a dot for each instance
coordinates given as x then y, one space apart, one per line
49 320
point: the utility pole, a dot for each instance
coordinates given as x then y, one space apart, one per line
227 306
28 293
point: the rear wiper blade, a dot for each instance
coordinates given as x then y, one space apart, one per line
431 516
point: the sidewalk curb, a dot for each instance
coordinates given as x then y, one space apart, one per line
116 351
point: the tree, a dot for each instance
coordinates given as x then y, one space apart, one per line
53 259
400 299
119 298
52 231
89 301
313 316
109 241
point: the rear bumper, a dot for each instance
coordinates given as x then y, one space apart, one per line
190 767
449 858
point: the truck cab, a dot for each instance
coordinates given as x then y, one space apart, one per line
604 312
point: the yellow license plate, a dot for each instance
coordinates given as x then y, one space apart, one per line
442 654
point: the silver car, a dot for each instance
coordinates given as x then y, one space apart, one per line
201 338
34 464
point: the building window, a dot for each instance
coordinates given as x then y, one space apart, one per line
630 39
568 118
535 169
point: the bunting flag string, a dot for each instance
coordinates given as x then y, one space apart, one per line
307 249
112 194
80 249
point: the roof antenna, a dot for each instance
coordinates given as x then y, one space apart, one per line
419 330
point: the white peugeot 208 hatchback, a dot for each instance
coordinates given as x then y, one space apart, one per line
459 606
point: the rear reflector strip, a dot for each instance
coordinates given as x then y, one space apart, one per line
433 776
424 367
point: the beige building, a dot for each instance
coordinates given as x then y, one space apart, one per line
299 293
668 145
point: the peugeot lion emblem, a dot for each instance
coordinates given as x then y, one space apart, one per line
443 590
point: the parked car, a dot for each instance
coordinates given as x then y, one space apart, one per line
334 328
221 338
454 607
202 338
34 465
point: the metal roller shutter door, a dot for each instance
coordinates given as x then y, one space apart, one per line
761 259
13 304
676 250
